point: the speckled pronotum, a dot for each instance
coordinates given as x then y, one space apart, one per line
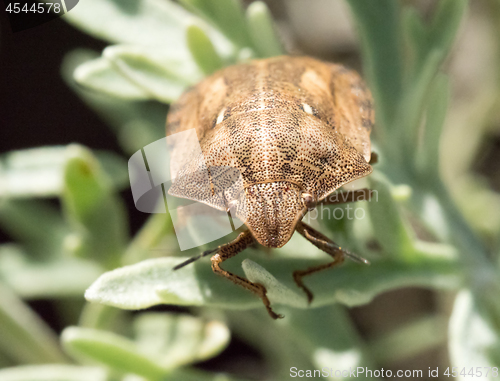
296 129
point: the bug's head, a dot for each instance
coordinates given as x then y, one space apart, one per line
272 211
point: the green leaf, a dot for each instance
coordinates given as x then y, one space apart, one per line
195 375
278 342
53 373
138 73
140 358
149 22
112 350
161 75
129 58
414 26
262 31
99 316
226 15
391 231
35 223
38 172
431 45
474 193
178 340
39 279
427 159
114 167
95 210
33 172
413 104
154 281
445 23
405 342
202 50
135 123
474 342
330 338
25 337
275 289
378 26
100 75
186 375
155 229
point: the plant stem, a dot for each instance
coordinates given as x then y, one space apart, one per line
25 337
153 231
155 228
481 269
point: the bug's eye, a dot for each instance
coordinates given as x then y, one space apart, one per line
308 201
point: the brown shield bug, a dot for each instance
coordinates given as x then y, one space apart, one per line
296 129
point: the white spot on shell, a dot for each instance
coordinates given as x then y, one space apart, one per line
307 108
220 118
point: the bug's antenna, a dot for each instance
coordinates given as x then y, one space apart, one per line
352 256
195 258
355 257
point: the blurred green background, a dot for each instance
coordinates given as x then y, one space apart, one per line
79 95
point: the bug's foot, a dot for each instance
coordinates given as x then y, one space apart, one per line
309 294
262 292
273 314
297 277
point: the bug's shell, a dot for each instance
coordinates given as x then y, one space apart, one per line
287 124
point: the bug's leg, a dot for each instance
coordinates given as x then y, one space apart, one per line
320 241
373 159
329 247
348 196
229 250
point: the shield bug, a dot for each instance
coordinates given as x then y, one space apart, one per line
296 129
